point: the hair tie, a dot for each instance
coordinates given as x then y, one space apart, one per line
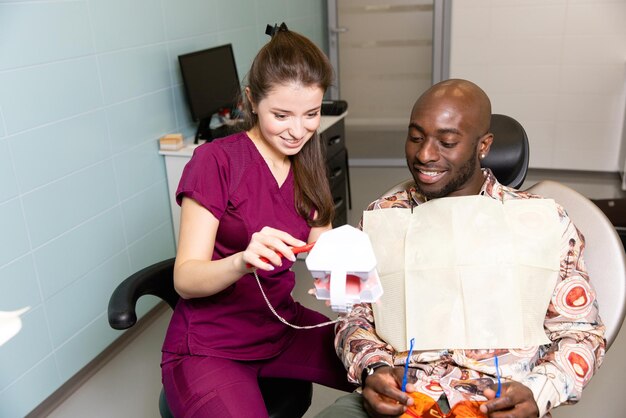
271 30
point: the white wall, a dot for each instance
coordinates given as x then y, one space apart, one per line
558 66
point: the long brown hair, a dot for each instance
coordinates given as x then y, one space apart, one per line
292 58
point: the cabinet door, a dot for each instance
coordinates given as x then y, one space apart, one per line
333 139
337 170
340 200
337 179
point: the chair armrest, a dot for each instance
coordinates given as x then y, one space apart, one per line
156 279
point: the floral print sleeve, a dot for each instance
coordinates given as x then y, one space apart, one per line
357 343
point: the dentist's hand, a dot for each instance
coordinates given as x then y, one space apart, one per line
266 246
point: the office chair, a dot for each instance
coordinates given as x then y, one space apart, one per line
284 398
508 157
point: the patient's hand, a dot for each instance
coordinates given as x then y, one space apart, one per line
516 401
382 394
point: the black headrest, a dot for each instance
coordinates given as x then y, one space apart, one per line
509 154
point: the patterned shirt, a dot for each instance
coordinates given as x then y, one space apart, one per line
556 373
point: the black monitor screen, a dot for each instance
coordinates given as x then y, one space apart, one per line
210 79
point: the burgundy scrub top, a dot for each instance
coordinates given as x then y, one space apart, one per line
232 180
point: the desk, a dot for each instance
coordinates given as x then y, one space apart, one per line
332 133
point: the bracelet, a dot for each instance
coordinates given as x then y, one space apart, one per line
370 369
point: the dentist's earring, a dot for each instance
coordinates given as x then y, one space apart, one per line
482 156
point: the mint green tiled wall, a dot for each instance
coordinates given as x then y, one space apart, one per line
86 89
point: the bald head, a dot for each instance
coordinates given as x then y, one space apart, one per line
448 136
466 96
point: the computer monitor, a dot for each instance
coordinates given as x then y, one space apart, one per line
211 84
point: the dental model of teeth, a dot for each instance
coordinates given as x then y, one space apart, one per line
343 264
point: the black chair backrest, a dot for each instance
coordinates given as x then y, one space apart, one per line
509 154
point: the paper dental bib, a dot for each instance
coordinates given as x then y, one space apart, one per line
465 272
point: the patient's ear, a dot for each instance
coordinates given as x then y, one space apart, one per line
484 144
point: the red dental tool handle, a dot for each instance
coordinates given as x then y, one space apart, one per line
296 250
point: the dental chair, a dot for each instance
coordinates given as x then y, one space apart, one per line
604 252
284 398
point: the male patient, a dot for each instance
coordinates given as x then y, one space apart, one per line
448 136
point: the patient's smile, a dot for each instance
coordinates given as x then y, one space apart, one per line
429 176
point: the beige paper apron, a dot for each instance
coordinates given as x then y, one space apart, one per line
465 272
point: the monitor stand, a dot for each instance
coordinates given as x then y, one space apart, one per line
204 133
